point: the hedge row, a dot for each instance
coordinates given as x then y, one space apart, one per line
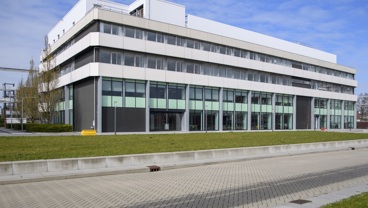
43 127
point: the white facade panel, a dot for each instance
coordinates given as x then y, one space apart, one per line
72 17
155 48
109 70
201 80
174 77
134 73
91 39
111 41
216 81
168 12
217 28
134 44
216 58
155 75
175 51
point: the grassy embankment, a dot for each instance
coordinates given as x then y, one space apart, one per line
51 147
359 201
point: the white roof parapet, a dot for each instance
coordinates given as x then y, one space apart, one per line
210 26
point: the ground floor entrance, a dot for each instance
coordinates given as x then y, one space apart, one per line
166 121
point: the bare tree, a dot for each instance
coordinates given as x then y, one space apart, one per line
49 95
27 95
362 105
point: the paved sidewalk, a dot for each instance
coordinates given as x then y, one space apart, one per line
272 182
329 198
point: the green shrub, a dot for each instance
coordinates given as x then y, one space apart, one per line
16 126
48 128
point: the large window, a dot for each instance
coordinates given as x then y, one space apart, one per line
211 94
227 120
133 60
112 87
193 68
261 106
133 32
240 120
174 65
228 96
105 56
154 62
157 90
195 120
284 112
335 114
154 36
196 93
135 89
176 91
241 97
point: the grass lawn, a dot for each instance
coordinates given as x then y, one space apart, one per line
51 147
359 201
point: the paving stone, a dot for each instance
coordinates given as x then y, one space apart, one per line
270 182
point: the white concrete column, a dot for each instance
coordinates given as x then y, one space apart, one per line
313 122
185 124
294 112
221 112
355 115
273 111
328 114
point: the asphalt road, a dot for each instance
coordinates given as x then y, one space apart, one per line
252 183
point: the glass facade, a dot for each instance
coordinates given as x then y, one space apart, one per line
320 113
160 121
211 97
335 114
261 108
167 107
349 114
168 104
284 112
235 109
204 108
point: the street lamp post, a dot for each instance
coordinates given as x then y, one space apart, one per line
115 117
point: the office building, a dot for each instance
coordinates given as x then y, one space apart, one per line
158 68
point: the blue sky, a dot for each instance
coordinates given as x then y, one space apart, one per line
335 26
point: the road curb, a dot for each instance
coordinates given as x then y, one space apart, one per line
38 170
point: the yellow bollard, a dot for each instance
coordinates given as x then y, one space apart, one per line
88 132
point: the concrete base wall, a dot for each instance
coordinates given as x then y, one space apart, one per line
172 158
